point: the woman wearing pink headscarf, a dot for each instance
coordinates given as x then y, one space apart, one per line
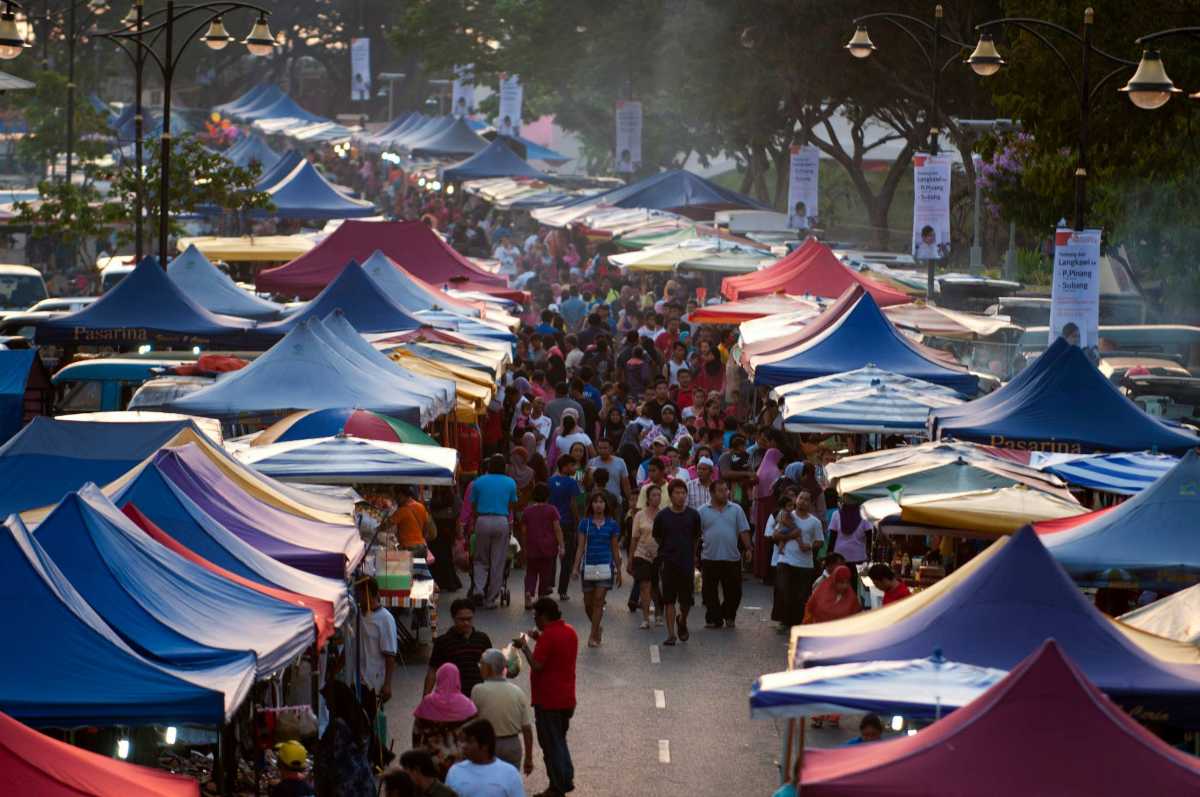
764 506
439 716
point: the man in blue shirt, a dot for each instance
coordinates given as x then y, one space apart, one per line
564 489
493 497
573 309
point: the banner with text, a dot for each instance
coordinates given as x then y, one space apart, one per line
803 186
629 135
462 91
1075 294
360 69
508 121
931 206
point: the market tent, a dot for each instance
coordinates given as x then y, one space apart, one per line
536 152
303 372
1150 539
25 389
382 139
284 107
749 309
860 377
1046 714
941 322
856 334
458 140
406 139
251 249
342 421
164 606
861 410
65 667
1060 403
353 460
471 327
495 160
363 301
676 190
196 276
323 549
986 513
285 165
262 92
364 137
410 291
1174 617
49 457
1123 474
252 149
409 243
32 763
811 269
997 609
916 688
144 307
304 193
158 499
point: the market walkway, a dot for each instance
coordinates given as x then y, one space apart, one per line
712 746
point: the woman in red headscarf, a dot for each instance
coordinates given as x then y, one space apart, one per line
833 599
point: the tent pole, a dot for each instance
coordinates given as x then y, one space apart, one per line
787 751
800 755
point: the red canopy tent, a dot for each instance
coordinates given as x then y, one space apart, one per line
1043 729
410 243
34 765
811 269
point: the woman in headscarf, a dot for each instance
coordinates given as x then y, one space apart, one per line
832 599
536 461
439 716
520 471
342 765
850 534
764 507
614 427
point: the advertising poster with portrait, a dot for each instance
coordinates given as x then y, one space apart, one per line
508 121
803 186
931 206
360 69
462 90
629 136
1075 294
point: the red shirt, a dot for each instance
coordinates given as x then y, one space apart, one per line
553 687
896 593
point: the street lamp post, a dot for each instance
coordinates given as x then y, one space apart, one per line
96 8
1150 88
159 27
134 20
861 46
986 60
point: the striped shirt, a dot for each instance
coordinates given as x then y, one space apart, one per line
698 493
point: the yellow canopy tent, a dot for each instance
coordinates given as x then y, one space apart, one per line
980 513
247 249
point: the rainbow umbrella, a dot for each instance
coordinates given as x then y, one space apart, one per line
343 421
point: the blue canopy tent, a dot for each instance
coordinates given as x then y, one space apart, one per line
860 410
536 152
167 505
214 290
363 301
497 160
1062 403
1150 540
284 107
65 667
268 92
676 190
471 327
412 123
252 149
353 460
411 293
305 194
1000 607
162 603
391 127
145 307
419 133
49 458
1123 474
442 391
24 389
286 164
862 335
302 372
458 140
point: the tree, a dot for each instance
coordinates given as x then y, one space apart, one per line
44 109
66 216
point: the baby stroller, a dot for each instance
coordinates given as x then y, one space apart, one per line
514 548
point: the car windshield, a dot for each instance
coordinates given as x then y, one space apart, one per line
19 291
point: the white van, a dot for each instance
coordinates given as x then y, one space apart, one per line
21 287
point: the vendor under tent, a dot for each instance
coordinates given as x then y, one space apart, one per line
862 410
32 763
998 608
301 372
362 300
166 607
496 160
1060 403
1151 539
158 499
916 688
850 334
196 276
1174 617
304 193
811 269
342 421
1122 474
251 249
409 243
457 140
412 292
353 460
145 307
1046 714
66 667
986 513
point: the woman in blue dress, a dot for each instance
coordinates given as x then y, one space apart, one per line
597 558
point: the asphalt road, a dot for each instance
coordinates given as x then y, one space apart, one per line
695 738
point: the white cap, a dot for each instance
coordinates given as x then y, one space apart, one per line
704 461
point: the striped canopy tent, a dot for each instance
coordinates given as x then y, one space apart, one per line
941 322
670 257
1174 617
342 421
351 460
862 409
758 307
1123 474
861 377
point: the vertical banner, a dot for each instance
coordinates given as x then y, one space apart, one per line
1075 294
462 91
629 136
931 206
508 121
803 186
360 69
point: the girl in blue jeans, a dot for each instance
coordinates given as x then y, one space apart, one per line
597 559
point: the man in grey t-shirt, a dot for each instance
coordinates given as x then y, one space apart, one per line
722 525
618 471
